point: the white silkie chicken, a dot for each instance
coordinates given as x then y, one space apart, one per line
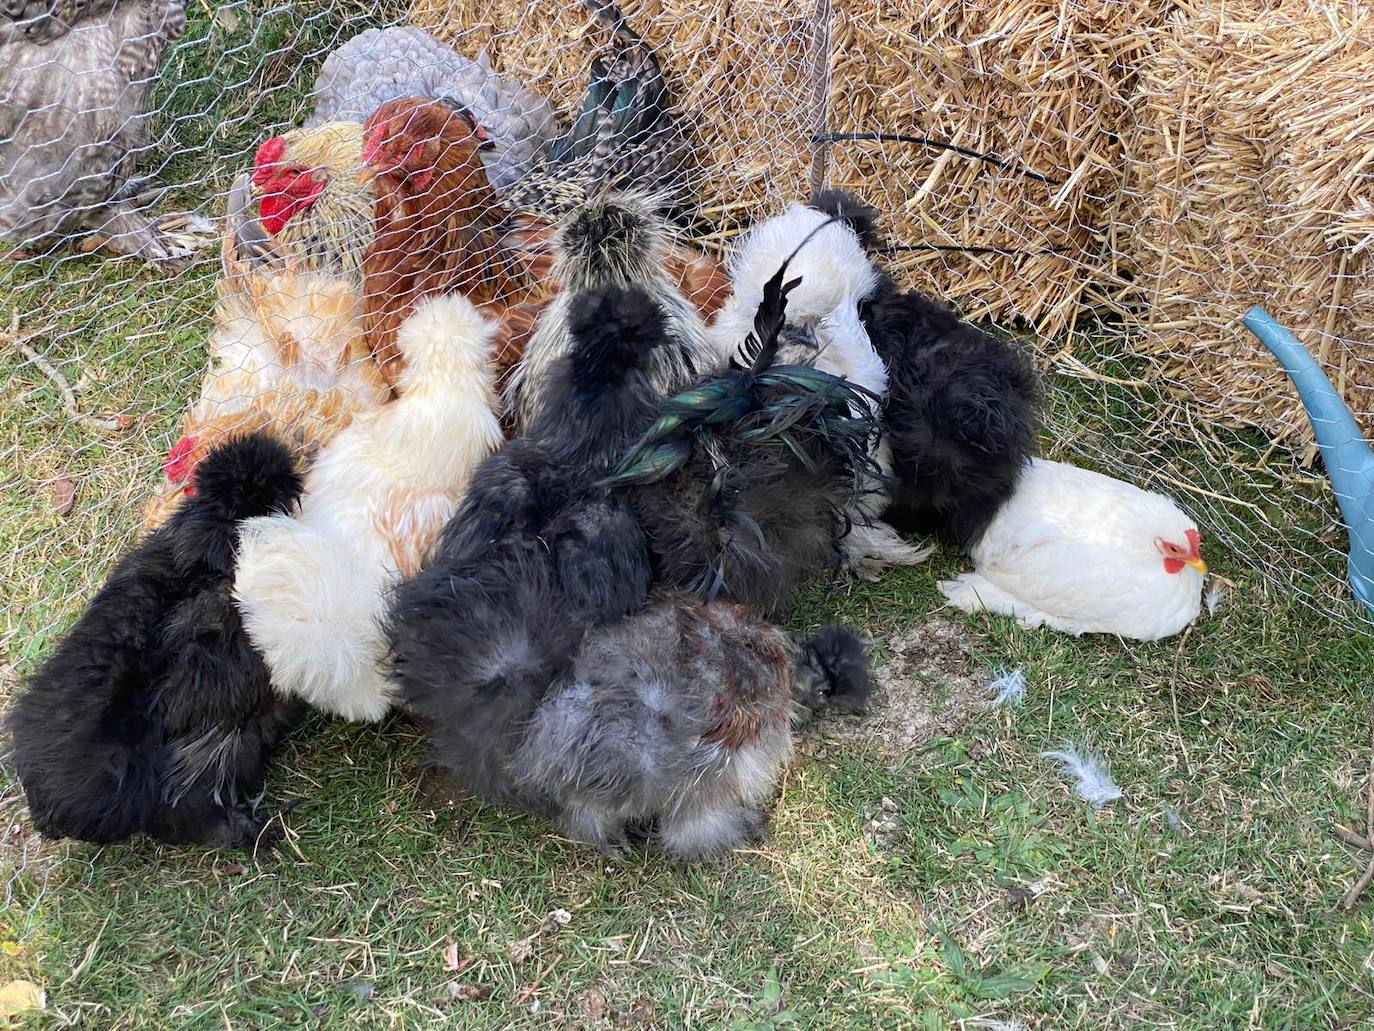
823 329
312 588
1084 553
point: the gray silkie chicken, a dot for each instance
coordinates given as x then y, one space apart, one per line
74 78
380 65
549 675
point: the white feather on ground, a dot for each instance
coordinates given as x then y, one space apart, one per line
1008 689
1093 781
1214 596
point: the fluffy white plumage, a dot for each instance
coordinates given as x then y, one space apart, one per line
1092 780
823 309
312 588
1086 553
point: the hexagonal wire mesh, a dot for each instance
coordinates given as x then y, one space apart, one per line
1149 172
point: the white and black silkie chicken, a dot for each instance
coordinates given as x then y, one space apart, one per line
962 410
154 713
823 329
617 240
746 482
74 78
550 677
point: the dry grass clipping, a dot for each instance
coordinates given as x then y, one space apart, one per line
1256 178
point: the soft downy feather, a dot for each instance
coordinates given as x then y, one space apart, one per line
312 589
1088 770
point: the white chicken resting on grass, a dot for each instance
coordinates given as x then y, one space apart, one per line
1084 553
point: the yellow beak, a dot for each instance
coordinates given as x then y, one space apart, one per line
1199 565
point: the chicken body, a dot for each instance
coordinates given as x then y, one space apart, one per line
620 241
288 356
962 408
74 78
439 227
513 642
381 65
312 588
823 329
1085 553
154 714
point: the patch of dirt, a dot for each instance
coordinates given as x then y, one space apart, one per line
926 685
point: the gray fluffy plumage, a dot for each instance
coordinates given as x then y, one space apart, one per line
74 79
380 65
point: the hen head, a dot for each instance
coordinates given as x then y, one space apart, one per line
181 462
411 139
285 187
292 171
1177 556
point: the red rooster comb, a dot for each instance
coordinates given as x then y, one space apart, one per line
270 152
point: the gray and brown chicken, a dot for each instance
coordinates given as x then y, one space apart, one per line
74 79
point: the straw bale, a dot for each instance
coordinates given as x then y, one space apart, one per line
1255 173
742 72
1042 83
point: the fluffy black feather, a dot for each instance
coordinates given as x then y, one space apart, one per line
528 644
154 713
962 414
859 215
834 671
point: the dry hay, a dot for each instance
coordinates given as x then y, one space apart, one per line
1256 178
741 71
1043 84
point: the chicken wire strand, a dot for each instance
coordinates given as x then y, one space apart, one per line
1127 353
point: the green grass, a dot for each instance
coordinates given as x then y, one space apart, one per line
926 867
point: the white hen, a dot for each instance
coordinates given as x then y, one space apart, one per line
1084 553
312 588
824 329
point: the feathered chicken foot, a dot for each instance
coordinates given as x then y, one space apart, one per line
60 382
170 239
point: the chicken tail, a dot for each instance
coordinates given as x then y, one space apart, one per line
624 136
834 671
244 478
314 611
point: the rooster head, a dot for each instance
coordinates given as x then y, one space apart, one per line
407 137
286 188
1176 556
181 463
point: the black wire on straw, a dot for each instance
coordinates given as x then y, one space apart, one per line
926 141
1015 251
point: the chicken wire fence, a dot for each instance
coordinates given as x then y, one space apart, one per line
1115 181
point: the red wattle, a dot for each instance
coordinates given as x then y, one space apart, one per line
275 210
1173 565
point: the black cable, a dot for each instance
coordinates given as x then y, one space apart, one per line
925 141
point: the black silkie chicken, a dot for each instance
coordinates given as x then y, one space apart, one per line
154 714
549 675
962 410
